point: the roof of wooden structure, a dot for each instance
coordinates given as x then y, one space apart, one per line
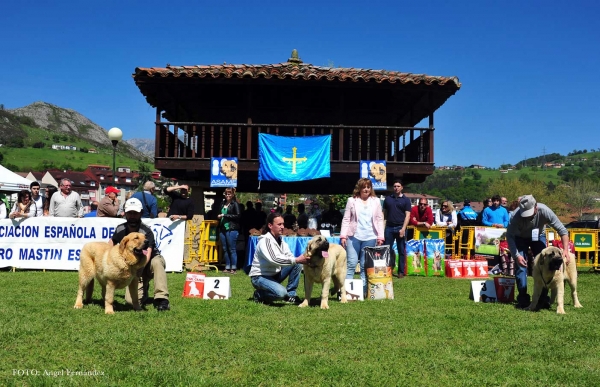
151 81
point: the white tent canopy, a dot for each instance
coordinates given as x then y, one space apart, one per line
11 182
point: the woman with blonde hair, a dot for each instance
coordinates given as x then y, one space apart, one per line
229 229
362 226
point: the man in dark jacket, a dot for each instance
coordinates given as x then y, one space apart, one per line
182 207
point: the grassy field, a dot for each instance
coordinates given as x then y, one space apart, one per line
431 334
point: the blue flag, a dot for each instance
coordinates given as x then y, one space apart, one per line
293 158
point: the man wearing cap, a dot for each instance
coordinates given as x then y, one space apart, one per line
155 263
527 230
109 205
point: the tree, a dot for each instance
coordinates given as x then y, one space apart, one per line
582 195
144 175
515 188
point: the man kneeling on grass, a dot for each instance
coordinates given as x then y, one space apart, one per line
272 263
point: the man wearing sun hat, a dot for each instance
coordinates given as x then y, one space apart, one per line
155 263
527 230
109 205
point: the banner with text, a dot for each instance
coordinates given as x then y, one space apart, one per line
55 243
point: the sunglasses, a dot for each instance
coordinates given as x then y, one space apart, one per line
444 205
422 204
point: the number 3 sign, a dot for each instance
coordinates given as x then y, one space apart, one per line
217 288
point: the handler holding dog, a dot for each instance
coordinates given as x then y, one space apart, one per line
273 262
527 230
155 263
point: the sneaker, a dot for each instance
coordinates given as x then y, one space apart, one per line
294 300
161 304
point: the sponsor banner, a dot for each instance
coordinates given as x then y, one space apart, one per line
584 241
223 171
376 171
55 243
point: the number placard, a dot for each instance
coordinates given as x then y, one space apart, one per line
483 291
354 290
217 288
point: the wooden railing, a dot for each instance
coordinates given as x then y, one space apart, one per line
201 140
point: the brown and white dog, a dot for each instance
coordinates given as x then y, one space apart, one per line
550 272
327 261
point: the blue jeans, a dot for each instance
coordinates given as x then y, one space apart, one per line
229 241
355 251
269 287
523 245
391 234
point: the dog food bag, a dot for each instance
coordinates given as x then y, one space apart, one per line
469 268
454 268
379 273
434 253
481 269
194 285
415 260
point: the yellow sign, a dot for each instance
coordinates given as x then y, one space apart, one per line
584 241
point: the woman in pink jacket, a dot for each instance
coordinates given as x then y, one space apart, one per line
362 226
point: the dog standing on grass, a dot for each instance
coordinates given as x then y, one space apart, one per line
327 261
114 267
549 271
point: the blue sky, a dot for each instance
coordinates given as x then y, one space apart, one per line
528 68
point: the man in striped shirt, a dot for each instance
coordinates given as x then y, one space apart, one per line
273 262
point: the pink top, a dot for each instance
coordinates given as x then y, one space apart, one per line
350 220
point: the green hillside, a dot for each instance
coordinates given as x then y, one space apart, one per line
30 158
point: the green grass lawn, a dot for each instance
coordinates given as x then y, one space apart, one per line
431 334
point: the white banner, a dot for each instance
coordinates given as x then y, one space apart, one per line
55 243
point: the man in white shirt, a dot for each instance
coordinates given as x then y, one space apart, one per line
66 203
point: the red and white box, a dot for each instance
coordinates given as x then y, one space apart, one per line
481 269
505 289
194 285
469 268
454 268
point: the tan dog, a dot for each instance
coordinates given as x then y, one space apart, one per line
114 268
417 260
550 272
437 260
327 261
230 169
378 172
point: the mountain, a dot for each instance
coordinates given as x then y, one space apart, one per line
144 145
59 120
